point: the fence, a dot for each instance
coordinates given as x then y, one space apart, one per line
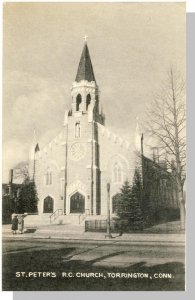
101 225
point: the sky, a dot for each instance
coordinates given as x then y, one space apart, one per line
132 46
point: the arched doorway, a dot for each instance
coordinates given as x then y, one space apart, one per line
48 205
77 203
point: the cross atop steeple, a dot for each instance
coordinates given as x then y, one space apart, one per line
85 38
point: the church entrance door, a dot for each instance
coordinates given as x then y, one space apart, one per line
77 203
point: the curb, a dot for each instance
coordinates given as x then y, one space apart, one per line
85 240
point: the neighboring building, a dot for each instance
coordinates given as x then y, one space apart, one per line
159 198
10 193
71 173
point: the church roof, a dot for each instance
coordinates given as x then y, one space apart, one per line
85 69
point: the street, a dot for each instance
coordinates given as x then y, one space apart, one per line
46 264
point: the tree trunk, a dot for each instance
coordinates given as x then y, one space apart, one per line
182 210
182 216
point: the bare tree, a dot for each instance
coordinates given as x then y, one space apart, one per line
21 171
166 123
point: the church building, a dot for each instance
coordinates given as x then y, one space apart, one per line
71 172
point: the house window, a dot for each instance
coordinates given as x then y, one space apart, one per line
77 130
117 173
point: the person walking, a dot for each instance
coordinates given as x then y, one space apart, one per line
14 224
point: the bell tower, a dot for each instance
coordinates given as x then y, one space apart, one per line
82 173
85 91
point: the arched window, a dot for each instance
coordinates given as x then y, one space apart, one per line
48 205
77 130
117 173
48 178
78 102
88 101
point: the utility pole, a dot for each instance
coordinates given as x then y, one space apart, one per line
108 234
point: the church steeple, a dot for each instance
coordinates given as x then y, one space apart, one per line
85 69
32 156
85 91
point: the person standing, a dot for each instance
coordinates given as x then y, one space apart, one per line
21 223
14 224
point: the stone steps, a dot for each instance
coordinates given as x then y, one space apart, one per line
44 219
56 229
37 220
67 219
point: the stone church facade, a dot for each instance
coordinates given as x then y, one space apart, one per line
71 172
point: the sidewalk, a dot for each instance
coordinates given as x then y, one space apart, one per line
76 233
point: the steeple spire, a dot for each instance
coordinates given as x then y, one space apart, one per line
32 156
85 91
34 146
85 69
138 135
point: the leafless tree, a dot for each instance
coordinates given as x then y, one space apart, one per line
166 123
21 172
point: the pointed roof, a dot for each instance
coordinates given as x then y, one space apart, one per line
34 146
37 148
85 69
